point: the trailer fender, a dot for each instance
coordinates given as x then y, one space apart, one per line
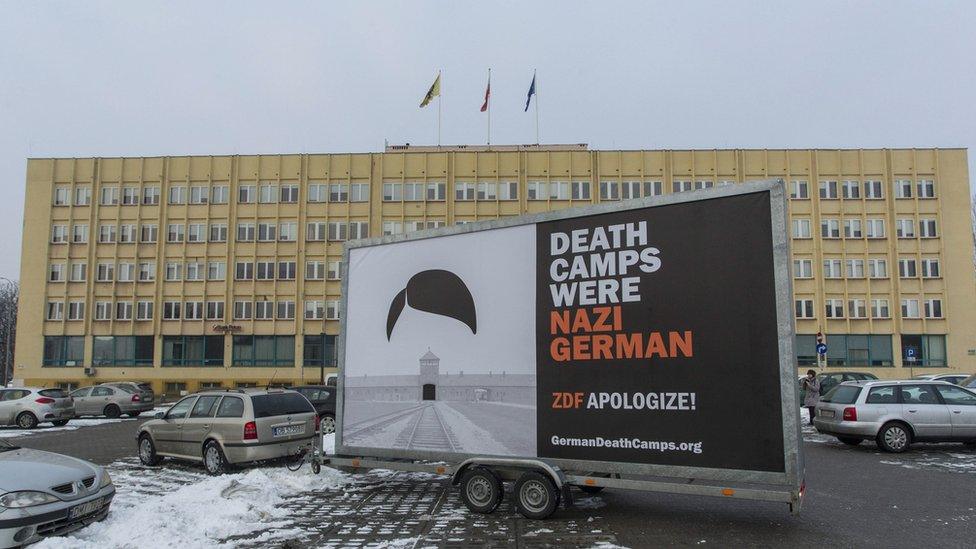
553 472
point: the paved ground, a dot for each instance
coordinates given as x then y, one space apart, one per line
855 497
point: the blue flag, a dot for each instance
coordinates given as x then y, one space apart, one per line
528 99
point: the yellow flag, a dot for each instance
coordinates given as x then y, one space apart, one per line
434 91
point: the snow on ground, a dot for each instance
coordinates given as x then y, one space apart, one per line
185 508
74 424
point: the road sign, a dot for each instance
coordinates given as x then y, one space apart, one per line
911 354
821 349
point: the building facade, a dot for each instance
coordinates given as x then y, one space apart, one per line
202 271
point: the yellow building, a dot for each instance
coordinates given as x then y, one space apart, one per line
223 270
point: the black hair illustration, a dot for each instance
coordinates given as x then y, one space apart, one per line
435 291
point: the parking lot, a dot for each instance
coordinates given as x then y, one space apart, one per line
855 496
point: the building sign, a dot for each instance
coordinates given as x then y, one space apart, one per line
226 328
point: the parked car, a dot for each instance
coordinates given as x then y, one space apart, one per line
897 413
25 407
221 428
969 383
949 378
144 390
323 399
45 494
111 400
829 380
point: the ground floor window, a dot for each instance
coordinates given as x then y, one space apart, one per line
193 350
245 384
259 350
174 389
122 351
923 350
208 385
846 350
67 386
320 350
64 350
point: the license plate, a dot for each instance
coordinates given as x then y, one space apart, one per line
85 509
286 430
826 413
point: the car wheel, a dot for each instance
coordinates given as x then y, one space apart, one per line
133 414
481 490
536 497
112 411
60 422
850 441
327 424
213 458
147 451
894 438
26 420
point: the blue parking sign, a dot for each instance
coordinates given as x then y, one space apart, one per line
821 349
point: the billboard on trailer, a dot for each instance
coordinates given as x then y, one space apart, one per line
635 336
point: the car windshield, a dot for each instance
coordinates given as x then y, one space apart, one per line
281 404
53 393
842 394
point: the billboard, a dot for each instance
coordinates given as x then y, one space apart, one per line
645 335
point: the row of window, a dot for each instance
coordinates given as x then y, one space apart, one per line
873 350
148 233
195 310
193 271
872 268
857 308
267 193
248 350
856 228
870 189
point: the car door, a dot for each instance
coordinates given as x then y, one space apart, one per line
923 409
13 403
227 422
6 407
99 399
82 402
962 410
197 426
167 433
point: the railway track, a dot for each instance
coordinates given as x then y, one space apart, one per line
427 431
364 429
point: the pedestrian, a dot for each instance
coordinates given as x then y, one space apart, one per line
812 387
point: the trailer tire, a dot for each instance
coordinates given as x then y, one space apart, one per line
536 496
481 490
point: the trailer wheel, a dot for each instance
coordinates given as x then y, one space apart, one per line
481 490
536 497
316 466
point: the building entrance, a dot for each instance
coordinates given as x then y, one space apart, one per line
430 391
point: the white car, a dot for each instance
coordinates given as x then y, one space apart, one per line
25 407
45 494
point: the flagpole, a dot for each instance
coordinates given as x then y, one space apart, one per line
439 99
536 108
488 100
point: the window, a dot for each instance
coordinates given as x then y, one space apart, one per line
218 232
338 192
174 232
64 351
359 192
109 196
150 196
193 351
59 234
320 350
907 268
289 194
245 194
851 189
508 190
149 233
537 190
199 195
857 308
680 186
924 350
127 233
219 194
267 232
144 310
103 310
147 271
905 228
337 230
580 190
332 309
79 272
130 196
216 270
257 350
316 231
559 190
288 232
855 268
232 406
930 268
392 227
927 228
804 308
873 190
926 188
242 310
609 190
413 192
464 190
847 350
954 396
177 195
834 308
878 268
123 310
879 308
703 184
831 268
799 190
127 272
487 190
264 310
828 189
79 234
875 228
909 308
204 407
62 196
317 192
267 193
314 310
82 196
801 228
76 310
830 228
56 272
174 271
314 270
193 310
334 267
286 310
244 270
122 351
215 310
435 190
392 192
653 188
245 232
630 190
265 270
195 232
55 310
360 229
933 308
286 270
903 188
172 310
852 228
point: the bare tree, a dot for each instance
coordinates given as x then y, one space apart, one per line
9 293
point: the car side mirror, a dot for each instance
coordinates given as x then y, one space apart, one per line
160 415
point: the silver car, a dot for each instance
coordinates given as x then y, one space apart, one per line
897 413
45 494
111 400
25 407
951 378
225 427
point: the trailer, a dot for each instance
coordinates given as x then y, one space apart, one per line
644 344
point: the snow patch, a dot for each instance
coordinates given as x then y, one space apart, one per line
72 425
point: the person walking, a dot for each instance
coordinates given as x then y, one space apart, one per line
812 395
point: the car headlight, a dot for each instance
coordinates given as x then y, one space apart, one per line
106 480
27 498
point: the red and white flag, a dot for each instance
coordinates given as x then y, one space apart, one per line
484 106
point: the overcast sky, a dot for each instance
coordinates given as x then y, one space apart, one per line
169 78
